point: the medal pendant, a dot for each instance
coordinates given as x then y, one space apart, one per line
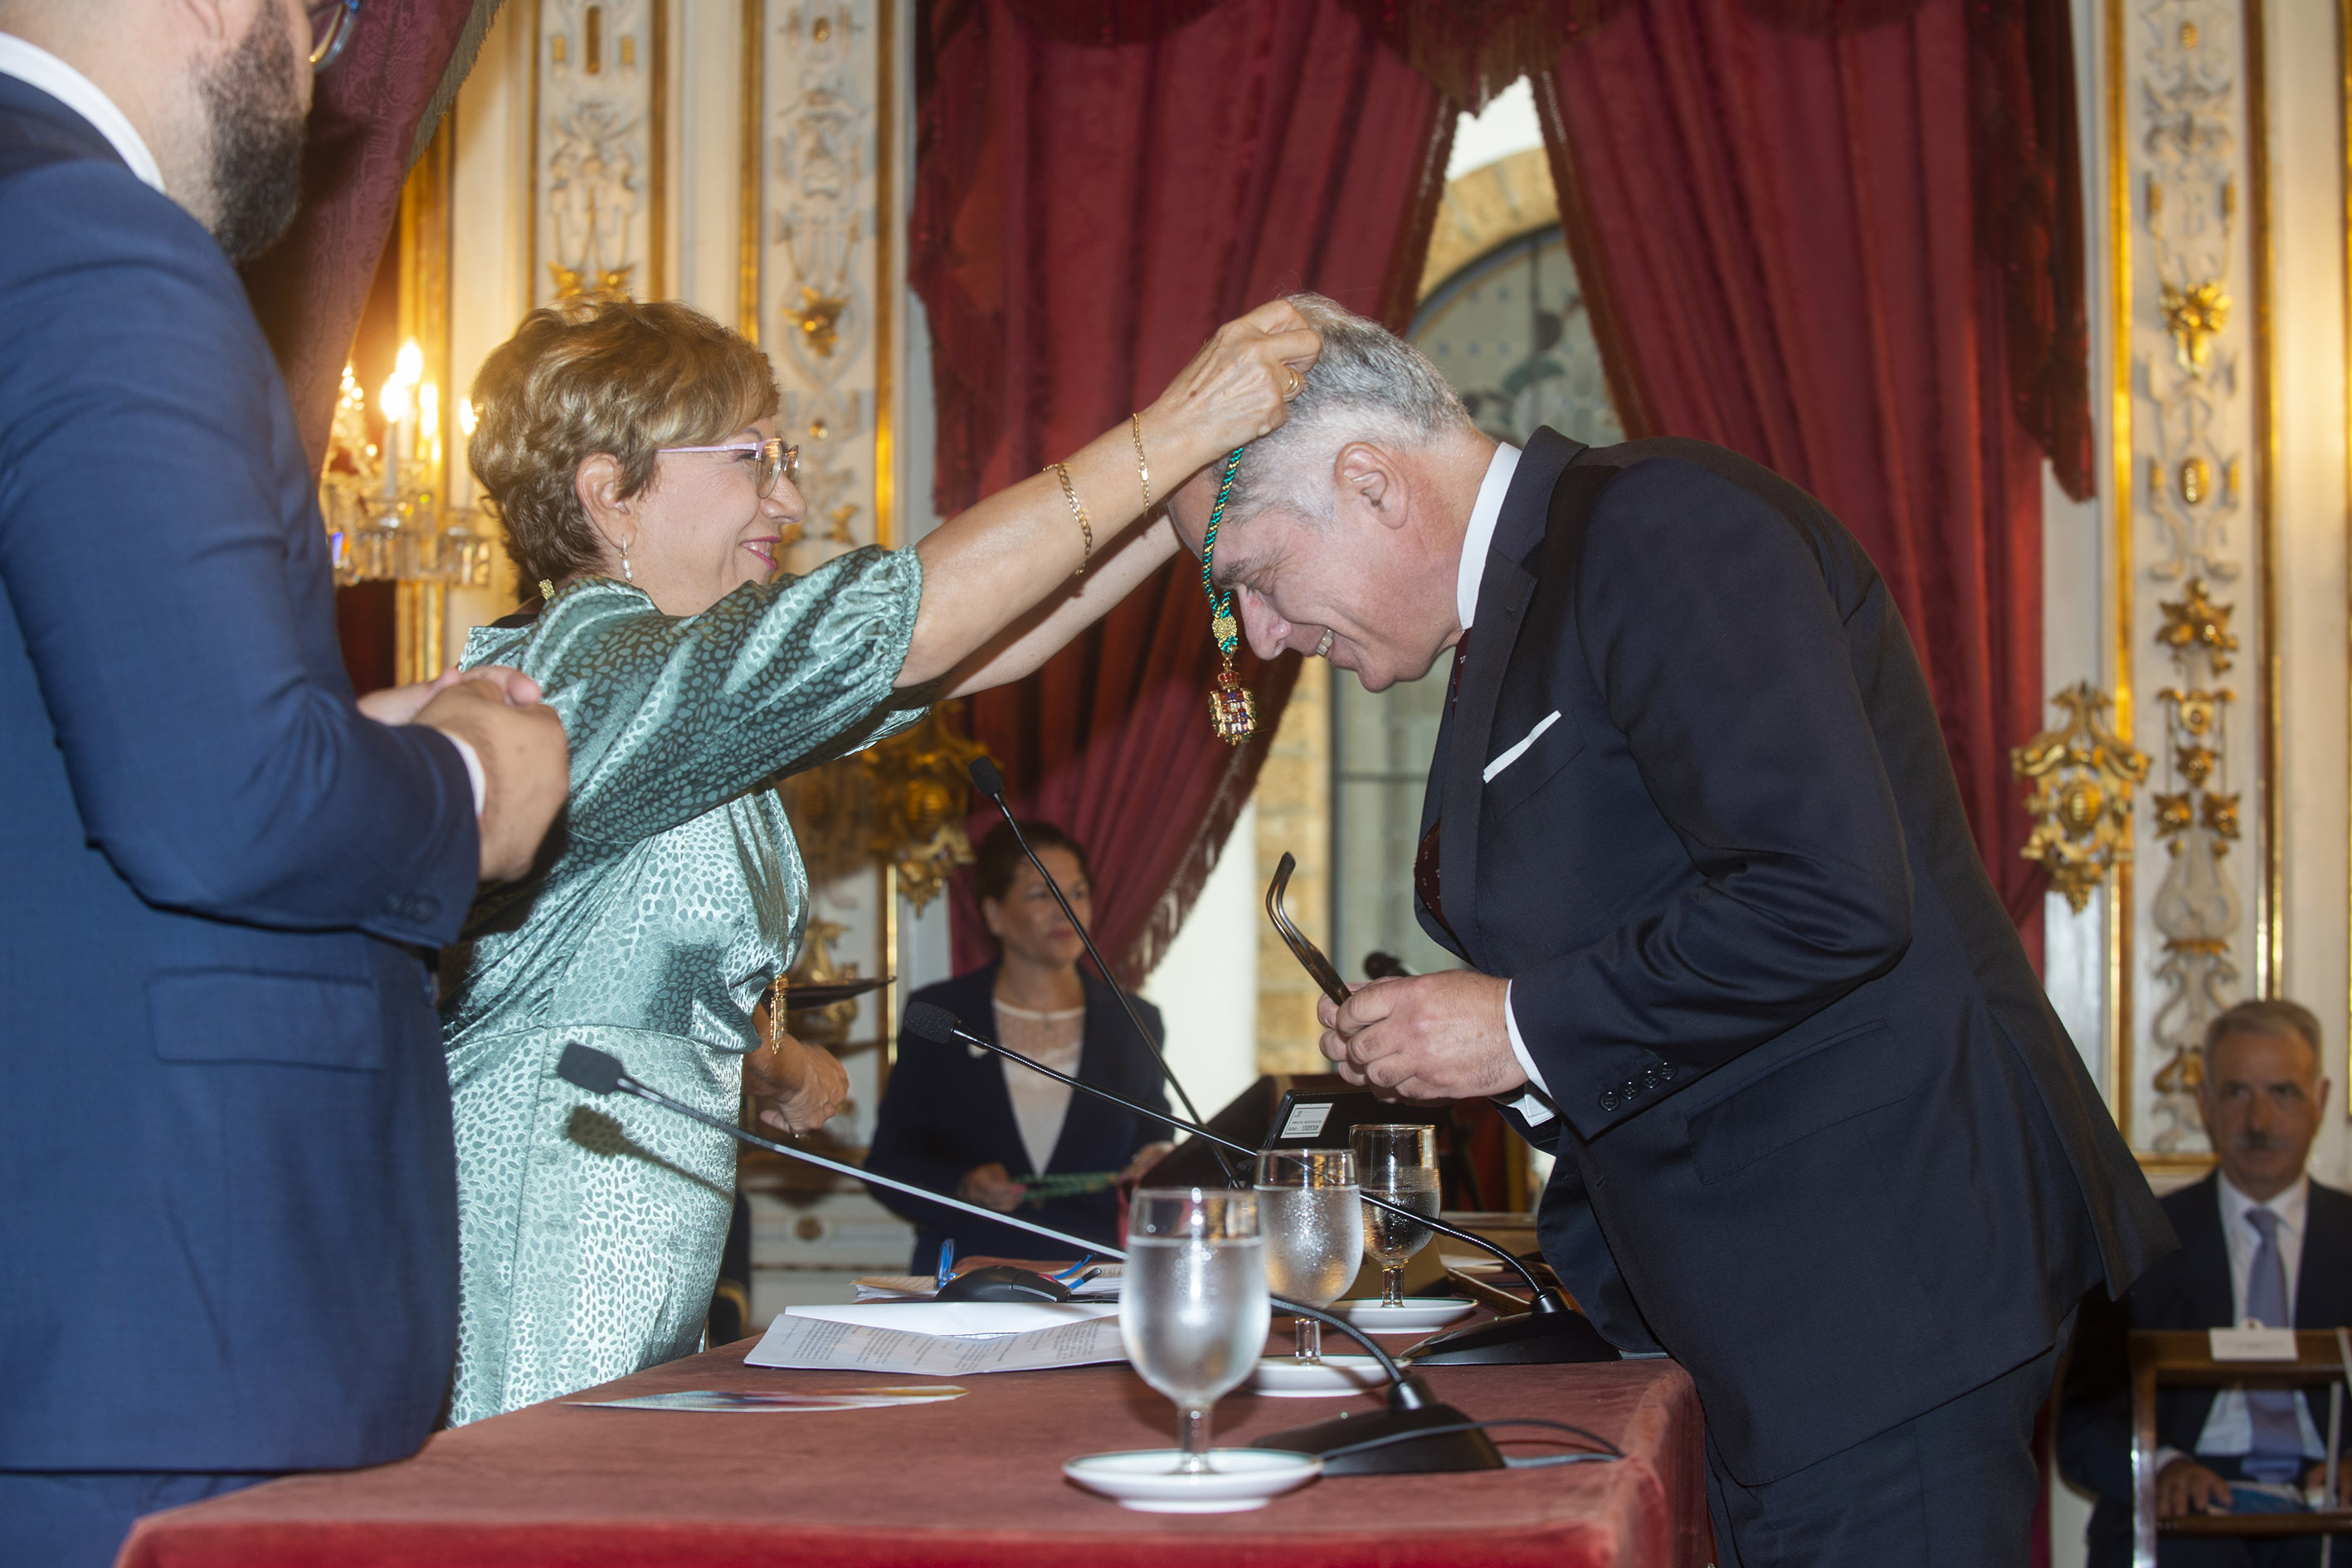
1232 712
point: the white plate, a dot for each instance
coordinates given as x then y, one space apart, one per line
1147 1479
1288 1377
1419 1315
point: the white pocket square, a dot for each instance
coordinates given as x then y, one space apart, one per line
1515 752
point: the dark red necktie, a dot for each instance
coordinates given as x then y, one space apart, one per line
1425 858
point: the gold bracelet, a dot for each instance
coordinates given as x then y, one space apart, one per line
1141 467
1084 525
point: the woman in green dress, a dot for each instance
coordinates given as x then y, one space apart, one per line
631 449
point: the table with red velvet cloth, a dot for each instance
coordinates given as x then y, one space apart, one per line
966 1481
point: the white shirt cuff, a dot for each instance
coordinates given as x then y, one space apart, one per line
2165 1456
1532 1107
482 789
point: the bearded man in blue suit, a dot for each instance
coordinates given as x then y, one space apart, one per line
227 1215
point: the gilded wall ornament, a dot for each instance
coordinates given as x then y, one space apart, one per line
2083 776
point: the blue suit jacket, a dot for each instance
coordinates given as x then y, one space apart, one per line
2190 1290
227 1207
1820 1134
946 1110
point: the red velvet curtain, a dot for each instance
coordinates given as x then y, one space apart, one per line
1097 188
370 115
1779 233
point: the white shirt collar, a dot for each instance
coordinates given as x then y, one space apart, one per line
1483 518
2290 1206
36 67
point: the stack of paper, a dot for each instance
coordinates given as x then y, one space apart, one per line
942 1339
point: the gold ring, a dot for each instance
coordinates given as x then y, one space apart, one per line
1297 382
1323 649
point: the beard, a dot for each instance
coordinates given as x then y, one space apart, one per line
253 101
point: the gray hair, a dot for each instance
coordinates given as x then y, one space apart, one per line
1368 385
2272 1016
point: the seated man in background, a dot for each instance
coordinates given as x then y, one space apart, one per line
2260 1241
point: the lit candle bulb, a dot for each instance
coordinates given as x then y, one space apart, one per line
428 420
399 406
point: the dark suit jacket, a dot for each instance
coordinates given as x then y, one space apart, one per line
946 1110
2188 1289
1821 1136
227 1205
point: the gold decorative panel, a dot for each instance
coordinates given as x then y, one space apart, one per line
2192 547
597 148
820 219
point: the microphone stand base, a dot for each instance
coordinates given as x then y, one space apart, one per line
1528 1339
1417 1455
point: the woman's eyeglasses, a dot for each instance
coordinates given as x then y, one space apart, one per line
775 461
332 24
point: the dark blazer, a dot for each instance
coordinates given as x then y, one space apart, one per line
946 1110
1821 1136
227 1193
2188 1289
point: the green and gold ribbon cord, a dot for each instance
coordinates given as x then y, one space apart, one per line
1233 712
1037 1191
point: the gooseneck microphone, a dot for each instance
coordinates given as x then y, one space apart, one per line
1416 1433
990 783
1549 1331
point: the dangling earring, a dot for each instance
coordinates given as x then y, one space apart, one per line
626 575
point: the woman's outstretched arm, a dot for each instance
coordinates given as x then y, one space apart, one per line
989 567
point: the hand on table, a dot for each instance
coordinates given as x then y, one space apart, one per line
991 1187
2314 1481
2185 1486
1150 1154
803 1086
1426 1037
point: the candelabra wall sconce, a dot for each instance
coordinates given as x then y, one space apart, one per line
387 513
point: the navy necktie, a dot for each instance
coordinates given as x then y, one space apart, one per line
2276 1455
1425 870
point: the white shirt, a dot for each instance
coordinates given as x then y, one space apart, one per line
37 68
1041 1104
2228 1429
1476 542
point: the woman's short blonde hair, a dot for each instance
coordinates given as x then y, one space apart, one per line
601 375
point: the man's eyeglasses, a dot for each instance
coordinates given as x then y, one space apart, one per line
775 461
331 25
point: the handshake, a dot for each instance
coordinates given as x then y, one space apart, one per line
518 742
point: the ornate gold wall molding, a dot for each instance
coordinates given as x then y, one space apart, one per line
2193 456
2083 776
818 281
1488 205
598 147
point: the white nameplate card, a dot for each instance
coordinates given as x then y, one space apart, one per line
1307 1121
2252 1345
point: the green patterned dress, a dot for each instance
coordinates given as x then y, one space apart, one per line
670 893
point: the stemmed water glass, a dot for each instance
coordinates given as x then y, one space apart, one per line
1313 1223
1193 1308
1397 1161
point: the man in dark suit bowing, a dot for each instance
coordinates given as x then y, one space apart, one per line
1730 953
227 1205
2259 1242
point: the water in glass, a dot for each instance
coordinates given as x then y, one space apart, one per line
1192 1307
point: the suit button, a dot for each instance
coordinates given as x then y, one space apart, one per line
1608 1099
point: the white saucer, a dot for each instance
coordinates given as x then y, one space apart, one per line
1147 1479
1419 1315
1288 1377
